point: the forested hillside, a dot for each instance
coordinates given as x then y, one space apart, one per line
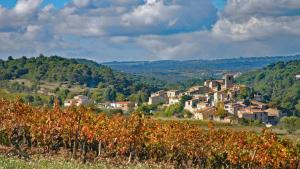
277 83
75 72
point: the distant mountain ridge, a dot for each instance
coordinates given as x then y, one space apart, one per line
172 70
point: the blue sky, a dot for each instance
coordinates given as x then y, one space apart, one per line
60 3
121 30
219 4
56 3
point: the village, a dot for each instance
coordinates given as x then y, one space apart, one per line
204 103
208 98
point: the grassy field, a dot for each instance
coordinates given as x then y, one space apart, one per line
52 85
48 87
13 96
60 163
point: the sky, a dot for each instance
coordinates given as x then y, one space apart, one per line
128 30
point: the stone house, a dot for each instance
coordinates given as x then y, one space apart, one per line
253 113
191 105
274 115
125 106
159 97
173 100
198 90
77 101
205 114
260 105
173 93
220 96
233 108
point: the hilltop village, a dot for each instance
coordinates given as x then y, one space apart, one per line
216 100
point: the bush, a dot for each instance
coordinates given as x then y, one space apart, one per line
146 109
290 124
173 110
4 139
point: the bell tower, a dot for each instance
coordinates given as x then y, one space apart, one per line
228 80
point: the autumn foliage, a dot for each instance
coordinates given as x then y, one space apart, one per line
82 132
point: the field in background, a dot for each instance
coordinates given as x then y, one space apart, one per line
13 96
51 86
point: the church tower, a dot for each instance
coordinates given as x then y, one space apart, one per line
228 80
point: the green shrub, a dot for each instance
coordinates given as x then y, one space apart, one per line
290 124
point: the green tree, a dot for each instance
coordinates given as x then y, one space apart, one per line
109 94
29 99
38 101
297 107
187 114
97 95
120 97
174 109
146 109
141 98
10 58
244 93
51 101
63 93
133 97
221 112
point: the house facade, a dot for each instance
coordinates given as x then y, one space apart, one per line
125 106
159 97
253 114
77 101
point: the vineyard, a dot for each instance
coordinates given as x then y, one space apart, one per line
88 136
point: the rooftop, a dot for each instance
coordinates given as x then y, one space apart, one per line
273 112
251 110
123 102
258 103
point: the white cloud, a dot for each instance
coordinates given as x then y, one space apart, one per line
32 32
26 6
254 19
79 25
245 28
242 8
153 12
152 29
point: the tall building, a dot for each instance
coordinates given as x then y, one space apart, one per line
228 80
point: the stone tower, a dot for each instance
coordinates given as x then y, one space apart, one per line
228 81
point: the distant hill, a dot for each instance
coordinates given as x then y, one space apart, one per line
74 71
176 71
276 82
